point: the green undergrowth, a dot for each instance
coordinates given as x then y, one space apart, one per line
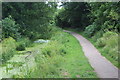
10 47
62 57
22 63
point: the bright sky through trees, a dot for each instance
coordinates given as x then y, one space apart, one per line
59 5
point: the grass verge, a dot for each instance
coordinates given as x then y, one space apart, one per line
76 64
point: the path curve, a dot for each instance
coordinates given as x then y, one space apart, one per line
101 65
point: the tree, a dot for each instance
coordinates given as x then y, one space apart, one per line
33 18
74 14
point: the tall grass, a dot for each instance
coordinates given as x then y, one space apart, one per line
49 61
8 49
22 43
63 53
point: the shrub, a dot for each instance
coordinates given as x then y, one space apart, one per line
109 44
90 30
108 39
109 34
8 48
22 43
21 47
34 35
97 35
101 42
10 28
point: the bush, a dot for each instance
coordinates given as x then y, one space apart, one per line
34 35
109 44
90 30
97 35
109 34
8 49
21 47
10 28
22 43
109 39
101 42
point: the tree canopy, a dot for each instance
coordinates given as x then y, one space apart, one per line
33 18
91 17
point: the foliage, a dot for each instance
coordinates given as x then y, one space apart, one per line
103 16
9 28
49 61
22 43
61 50
8 49
97 35
21 47
10 45
92 17
109 39
73 14
108 44
30 21
90 30
105 22
35 19
104 27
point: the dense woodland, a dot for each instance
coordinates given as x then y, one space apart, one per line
29 19
23 23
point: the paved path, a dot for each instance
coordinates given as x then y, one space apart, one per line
101 65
